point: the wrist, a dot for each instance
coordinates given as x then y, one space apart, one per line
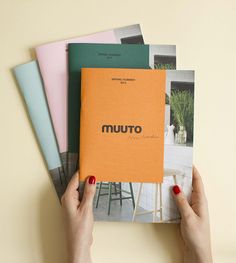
81 255
199 255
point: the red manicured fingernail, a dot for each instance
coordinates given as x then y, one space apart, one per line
176 189
92 179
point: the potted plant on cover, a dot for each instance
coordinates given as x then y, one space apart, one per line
182 106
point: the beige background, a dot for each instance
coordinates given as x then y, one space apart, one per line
205 35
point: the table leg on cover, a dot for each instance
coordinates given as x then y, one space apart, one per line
161 205
155 202
137 200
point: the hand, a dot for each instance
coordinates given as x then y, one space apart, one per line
194 226
78 217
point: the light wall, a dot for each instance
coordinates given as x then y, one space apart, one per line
30 216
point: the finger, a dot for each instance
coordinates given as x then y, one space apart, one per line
198 200
70 198
182 202
198 186
89 191
73 184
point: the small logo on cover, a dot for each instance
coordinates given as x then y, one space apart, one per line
108 128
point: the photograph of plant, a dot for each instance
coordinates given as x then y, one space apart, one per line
182 109
162 56
164 66
164 62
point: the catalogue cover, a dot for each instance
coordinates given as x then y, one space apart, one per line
136 137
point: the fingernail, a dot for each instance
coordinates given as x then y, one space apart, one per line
176 189
92 179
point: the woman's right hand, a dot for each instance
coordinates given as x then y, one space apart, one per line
195 228
78 217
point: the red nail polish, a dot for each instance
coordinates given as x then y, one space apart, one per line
176 189
92 179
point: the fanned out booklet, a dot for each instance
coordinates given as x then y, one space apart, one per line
123 141
108 56
116 108
31 86
52 59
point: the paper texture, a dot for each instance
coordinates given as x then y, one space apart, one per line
122 124
122 194
52 60
108 56
30 83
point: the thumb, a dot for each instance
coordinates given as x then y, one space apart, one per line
70 198
181 202
89 191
